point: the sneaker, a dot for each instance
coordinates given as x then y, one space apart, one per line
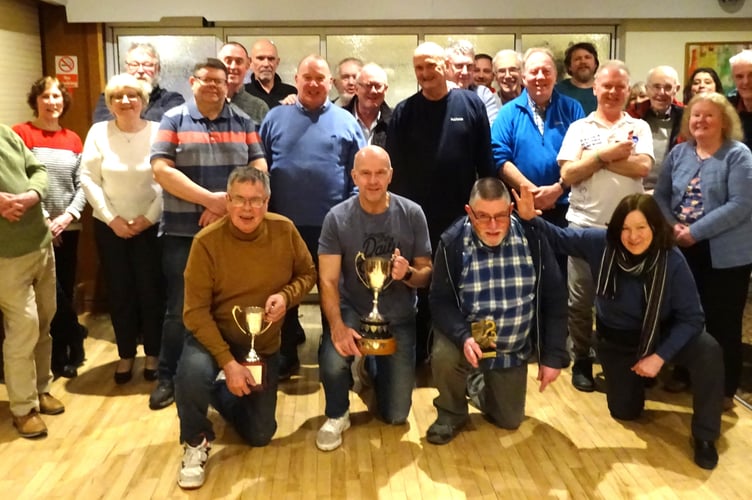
443 432
50 405
162 396
582 375
329 436
706 456
192 474
30 425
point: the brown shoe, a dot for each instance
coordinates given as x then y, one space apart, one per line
30 425
50 405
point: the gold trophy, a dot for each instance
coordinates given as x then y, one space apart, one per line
376 274
253 318
484 333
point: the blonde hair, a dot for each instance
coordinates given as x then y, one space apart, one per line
732 126
125 81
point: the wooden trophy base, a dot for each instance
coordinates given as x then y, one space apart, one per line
258 372
377 347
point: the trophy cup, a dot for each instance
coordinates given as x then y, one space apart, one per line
375 273
484 333
253 318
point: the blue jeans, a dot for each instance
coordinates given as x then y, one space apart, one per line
393 376
175 250
196 387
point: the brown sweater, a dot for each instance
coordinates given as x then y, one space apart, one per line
227 267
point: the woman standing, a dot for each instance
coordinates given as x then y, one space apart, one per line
704 192
702 80
647 312
59 149
127 202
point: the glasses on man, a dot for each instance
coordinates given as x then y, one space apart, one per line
508 71
238 201
211 81
133 65
484 218
375 86
657 88
123 97
460 66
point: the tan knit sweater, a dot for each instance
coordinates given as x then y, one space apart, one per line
227 267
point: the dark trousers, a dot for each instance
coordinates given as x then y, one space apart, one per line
723 293
625 390
65 329
133 274
291 328
558 217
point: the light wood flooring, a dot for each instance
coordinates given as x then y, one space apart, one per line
108 444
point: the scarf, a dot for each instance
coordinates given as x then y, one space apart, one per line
651 268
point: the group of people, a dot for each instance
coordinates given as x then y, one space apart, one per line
249 194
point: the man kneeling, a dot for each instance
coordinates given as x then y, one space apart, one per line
497 297
247 258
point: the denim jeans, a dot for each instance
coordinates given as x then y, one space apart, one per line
196 388
393 376
175 250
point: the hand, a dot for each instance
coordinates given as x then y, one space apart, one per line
473 352
14 206
546 375
275 308
343 338
60 223
616 151
400 266
121 228
207 217
217 203
546 196
525 203
649 366
290 99
238 379
140 224
683 236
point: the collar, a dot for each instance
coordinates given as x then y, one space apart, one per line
237 234
197 115
322 109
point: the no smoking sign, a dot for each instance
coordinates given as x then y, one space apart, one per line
66 70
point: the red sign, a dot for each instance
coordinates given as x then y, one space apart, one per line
66 70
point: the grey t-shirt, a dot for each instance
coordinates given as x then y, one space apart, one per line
348 229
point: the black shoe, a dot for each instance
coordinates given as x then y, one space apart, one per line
706 456
443 432
66 371
162 396
77 356
150 375
287 367
582 376
123 377
300 336
124 371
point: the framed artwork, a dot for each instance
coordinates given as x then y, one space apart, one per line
714 55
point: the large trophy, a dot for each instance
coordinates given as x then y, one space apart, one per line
253 318
376 274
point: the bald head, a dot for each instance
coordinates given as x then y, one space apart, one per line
372 155
662 85
313 81
372 173
264 61
429 49
430 65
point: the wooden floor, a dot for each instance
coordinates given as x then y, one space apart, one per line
108 444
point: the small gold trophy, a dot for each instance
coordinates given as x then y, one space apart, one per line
484 333
253 318
374 328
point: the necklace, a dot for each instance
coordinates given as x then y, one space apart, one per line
129 136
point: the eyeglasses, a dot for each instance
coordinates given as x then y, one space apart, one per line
657 87
375 86
133 65
461 66
122 97
211 81
508 71
486 219
238 201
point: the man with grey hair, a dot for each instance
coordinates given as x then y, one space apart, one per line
603 157
344 81
265 83
461 68
267 247
528 134
507 67
368 105
663 113
741 98
235 57
142 61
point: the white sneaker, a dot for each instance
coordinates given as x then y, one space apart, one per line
329 436
192 469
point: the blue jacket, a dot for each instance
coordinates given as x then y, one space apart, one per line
515 137
726 183
549 325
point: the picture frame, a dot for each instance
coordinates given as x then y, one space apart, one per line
714 55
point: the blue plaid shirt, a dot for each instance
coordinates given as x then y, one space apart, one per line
499 283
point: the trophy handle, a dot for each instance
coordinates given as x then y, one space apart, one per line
234 317
359 258
263 330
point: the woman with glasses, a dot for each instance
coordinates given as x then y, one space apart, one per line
59 149
127 203
647 312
